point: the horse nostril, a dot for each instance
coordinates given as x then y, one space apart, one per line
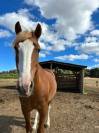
31 85
21 90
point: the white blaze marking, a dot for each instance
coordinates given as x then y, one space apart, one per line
36 121
25 53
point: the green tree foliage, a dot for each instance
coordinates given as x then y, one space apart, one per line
94 72
87 73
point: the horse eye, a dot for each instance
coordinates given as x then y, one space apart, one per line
22 41
38 50
16 46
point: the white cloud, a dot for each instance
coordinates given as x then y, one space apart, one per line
29 2
9 19
50 40
95 33
4 33
89 48
42 55
42 45
73 17
90 39
72 57
94 66
59 45
91 44
96 60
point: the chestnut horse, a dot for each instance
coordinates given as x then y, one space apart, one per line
36 86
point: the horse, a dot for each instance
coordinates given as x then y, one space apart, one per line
36 86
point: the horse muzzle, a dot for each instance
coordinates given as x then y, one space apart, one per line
25 90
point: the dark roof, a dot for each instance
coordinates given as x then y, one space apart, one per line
61 65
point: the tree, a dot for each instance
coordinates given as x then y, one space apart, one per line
94 72
87 72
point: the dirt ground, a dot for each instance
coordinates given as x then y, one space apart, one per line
70 113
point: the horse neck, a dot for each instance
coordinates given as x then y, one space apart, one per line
37 73
35 69
35 63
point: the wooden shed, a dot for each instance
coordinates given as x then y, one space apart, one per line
70 77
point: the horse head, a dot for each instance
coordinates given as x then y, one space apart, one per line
27 52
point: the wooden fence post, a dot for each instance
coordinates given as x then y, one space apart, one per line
81 81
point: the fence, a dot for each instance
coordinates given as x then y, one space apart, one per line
66 82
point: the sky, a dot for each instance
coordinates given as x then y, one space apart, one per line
70 30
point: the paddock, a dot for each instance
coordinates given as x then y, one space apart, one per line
70 113
70 77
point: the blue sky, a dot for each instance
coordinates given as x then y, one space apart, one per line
70 30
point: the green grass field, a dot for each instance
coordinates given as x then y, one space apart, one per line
8 75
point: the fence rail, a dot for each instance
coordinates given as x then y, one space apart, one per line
66 81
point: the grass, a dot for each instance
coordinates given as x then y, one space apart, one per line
8 75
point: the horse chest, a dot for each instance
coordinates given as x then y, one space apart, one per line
33 102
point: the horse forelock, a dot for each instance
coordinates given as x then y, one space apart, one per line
21 37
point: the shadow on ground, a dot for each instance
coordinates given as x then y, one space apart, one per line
12 87
70 90
7 122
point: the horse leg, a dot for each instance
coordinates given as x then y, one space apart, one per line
43 114
48 117
36 121
28 122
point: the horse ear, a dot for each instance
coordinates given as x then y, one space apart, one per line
18 27
38 31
